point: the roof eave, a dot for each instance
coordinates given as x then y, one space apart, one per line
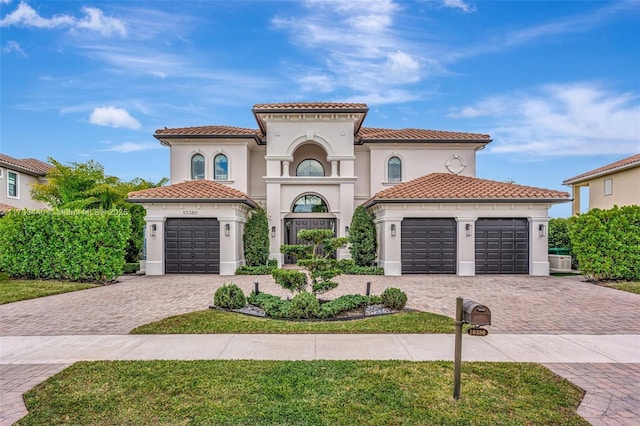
164 138
246 201
575 180
375 201
22 169
363 140
263 127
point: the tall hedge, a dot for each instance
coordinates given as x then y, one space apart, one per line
607 243
76 245
559 233
363 238
256 238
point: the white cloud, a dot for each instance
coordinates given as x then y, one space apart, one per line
561 119
126 147
459 4
113 117
363 50
26 16
13 46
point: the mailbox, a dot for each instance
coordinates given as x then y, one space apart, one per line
475 313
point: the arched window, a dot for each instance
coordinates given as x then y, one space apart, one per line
197 167
220 167
310 204
310 167
394 169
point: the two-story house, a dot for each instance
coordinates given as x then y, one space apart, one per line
311 164
615 184
16 177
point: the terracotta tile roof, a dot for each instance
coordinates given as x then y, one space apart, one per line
36 167
309 105
6 207
208 131
201 190
444 186
370 133
625 163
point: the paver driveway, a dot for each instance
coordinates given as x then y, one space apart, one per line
519 304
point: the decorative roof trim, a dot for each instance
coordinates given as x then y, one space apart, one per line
373 201
634 161
248 201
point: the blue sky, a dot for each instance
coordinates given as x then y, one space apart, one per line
555 83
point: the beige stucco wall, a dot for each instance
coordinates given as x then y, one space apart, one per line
625 190
23 200
231 248
392 214
419 160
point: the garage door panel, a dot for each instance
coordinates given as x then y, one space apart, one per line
502 246
428 246
192 246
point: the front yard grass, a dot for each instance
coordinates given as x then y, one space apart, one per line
631 286
215 321
302 393
16 290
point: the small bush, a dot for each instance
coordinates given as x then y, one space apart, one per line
304 305
290 280
229 297
375 300
273 306
4 277
131 268
345 303
256 270
394 298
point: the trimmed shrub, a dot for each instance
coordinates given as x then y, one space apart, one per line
273 306
559 233
290 280
131 268
304 305
363 238
394 298
229 297
74 245
258 270
345 303
607 243
256 238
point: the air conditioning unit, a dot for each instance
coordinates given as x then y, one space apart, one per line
559 263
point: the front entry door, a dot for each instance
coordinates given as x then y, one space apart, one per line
292 226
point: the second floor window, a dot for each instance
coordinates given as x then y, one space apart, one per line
197 167
220 167
12 184
310 167
394 171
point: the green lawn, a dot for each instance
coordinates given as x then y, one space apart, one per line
302 393
631 286
216 321
15 290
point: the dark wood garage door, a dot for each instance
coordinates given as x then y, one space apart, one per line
502 246
428 246
192 246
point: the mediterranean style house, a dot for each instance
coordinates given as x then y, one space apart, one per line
615 184
16 178
311 164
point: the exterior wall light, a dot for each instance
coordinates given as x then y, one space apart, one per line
227 229
393 229
467 228
273 232
346 230
541 230
153 230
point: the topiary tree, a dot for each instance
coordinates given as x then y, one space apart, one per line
363 239
256 238
316 258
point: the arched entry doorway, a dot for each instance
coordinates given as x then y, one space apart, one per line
309 211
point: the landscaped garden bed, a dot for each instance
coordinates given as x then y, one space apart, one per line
302 393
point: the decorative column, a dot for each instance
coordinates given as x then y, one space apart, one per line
466 246
334 168
285 168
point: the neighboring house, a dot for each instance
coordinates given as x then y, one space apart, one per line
616 184
16 177
311 164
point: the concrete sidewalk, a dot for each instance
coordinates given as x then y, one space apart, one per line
413 347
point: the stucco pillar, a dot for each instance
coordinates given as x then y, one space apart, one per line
154 264
273 215
347 191
334 168
285 168
575 206
539 246
390 254
231 248
466 253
